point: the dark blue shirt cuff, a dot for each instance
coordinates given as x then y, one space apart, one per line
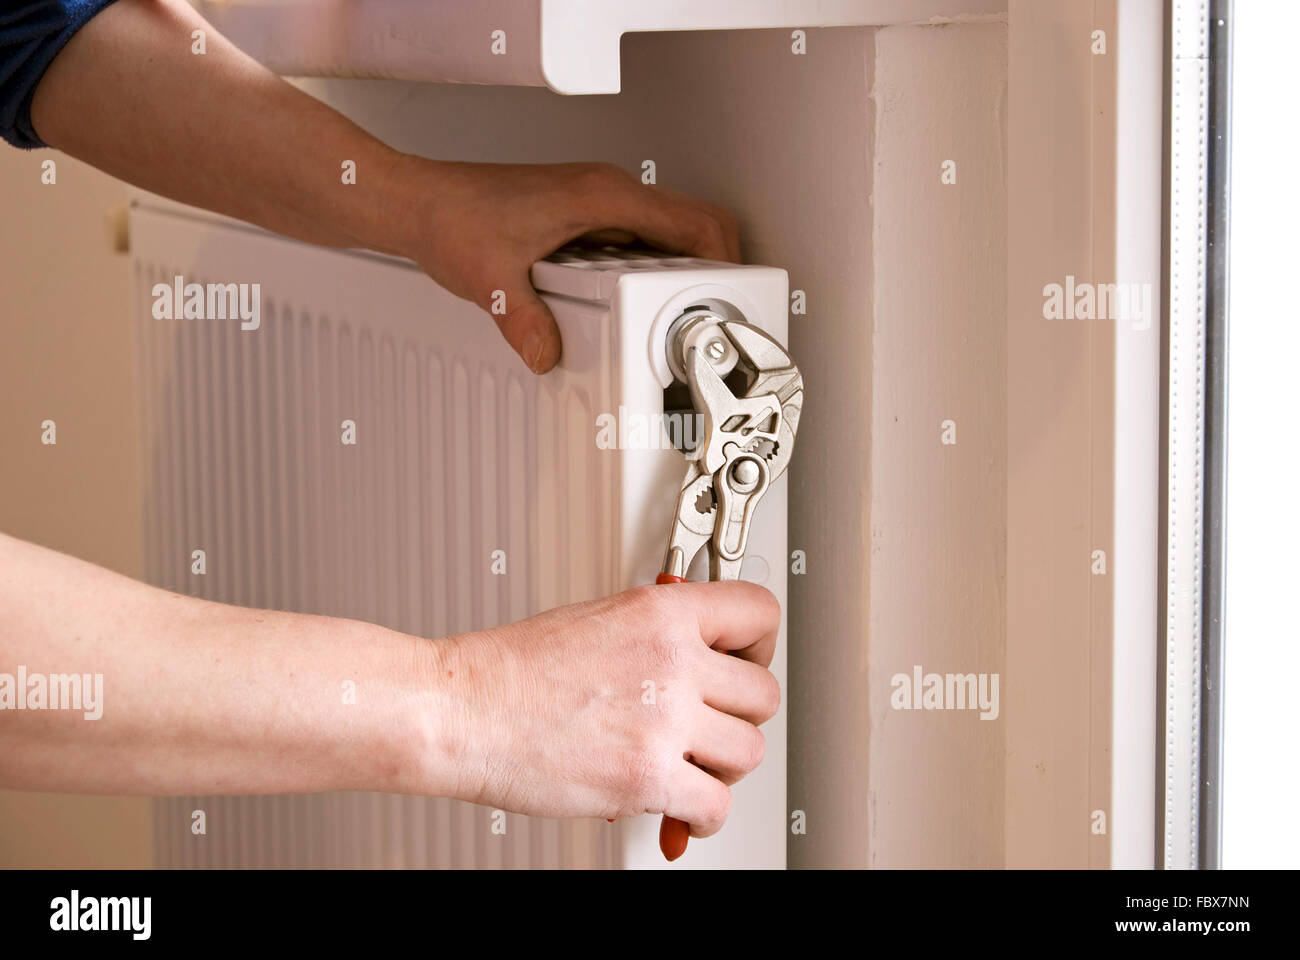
32 32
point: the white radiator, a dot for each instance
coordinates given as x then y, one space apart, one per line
459 452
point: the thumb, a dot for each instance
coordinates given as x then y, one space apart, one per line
529 328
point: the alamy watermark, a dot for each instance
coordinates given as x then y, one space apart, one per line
128 914
53 691
1074 300
631 430
946 691
214 301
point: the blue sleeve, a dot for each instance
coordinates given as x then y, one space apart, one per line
32 32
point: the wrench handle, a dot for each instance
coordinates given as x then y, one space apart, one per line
673 833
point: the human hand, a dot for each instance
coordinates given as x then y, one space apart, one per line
644 702
479 227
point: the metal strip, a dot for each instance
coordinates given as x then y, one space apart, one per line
1185 434
1216 396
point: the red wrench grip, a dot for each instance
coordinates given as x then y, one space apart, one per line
673 834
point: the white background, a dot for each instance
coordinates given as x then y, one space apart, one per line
1262 647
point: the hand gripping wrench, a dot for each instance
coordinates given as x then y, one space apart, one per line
745 445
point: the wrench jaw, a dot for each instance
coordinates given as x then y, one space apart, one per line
728 419
747 445
775 375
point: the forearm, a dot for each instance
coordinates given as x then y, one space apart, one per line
200 697
216 130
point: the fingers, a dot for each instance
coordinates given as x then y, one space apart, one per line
529 327
677 223
701 800
730 232
736 617
723 750
726 746
740 688
661 217
696 229
602 238
491 222
718 638
671 221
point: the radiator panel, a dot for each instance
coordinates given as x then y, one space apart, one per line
243 459
459 452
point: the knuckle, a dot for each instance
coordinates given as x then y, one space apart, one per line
645 598
718 807
645 773
709 233
657 618
769 697
771 605
667 650
725 220
755 750
766 604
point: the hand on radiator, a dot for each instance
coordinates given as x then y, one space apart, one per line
221 131
479 227
645 702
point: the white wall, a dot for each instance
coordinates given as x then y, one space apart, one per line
938 511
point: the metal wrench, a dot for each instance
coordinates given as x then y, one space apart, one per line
746 445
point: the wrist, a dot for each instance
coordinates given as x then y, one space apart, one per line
406 187
431 740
